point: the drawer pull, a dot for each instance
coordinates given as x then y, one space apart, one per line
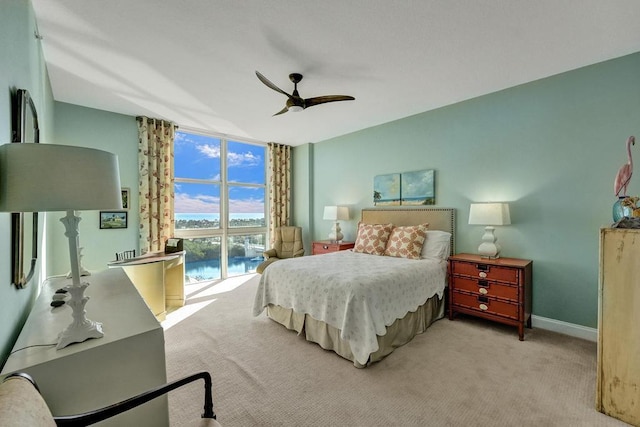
483 307
325 247
483 274
483 291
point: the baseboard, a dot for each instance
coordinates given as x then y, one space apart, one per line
578 331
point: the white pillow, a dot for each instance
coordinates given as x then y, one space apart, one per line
437 244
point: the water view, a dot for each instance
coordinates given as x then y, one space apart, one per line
198 271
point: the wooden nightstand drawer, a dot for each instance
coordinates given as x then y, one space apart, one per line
486 271
327 246
486 287
484 304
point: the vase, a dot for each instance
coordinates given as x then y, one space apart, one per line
620 211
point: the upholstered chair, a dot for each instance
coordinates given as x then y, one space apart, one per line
287 244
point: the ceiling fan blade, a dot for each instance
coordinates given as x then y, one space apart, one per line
310 102
284 110
268 83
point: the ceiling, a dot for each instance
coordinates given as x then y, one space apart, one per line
194 61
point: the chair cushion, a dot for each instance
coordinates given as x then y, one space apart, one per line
21 405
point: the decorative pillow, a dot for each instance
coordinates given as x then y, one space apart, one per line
372 238
437 244
406 241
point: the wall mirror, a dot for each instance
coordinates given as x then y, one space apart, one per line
24 226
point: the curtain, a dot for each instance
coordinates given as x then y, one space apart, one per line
156 176
279 186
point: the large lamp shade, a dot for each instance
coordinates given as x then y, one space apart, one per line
50 177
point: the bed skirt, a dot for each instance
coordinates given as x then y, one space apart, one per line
398 333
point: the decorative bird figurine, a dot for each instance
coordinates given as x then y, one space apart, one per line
624 173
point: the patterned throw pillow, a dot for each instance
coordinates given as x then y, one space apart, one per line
407 241
372 238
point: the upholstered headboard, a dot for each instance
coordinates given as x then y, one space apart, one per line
438 218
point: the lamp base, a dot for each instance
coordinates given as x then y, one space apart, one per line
336 233
81 329
489 248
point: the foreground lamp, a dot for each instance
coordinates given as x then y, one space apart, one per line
489 214
336 213
48 177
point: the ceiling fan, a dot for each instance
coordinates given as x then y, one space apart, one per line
295 102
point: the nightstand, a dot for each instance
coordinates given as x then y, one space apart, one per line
494 289
326 246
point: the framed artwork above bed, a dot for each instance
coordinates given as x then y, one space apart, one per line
415 188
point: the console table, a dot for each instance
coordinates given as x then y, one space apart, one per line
159 277
128 360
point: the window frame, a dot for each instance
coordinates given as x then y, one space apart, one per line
224 231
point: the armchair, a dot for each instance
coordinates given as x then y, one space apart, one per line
22 405
287 244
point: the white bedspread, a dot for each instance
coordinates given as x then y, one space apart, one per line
359 294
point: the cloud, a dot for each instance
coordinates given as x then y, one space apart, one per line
211 151
243 159
201 203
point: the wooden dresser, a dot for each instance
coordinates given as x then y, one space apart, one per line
326 246
494 289
618 375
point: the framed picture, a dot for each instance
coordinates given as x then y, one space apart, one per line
386 190
418 188
111 220
125 198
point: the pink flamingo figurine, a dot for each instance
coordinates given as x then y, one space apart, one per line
624 173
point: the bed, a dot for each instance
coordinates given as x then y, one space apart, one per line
363 304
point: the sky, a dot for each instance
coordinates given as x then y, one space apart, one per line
198 157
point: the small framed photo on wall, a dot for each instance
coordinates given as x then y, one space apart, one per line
110 220
125 198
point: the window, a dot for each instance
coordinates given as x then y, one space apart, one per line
219 204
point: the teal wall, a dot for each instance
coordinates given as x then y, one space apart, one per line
22 67
118 134
551 148
302 192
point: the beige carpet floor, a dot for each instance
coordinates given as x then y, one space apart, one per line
466 372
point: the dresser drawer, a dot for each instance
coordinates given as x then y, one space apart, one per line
486 271
325 247
482 303
486 287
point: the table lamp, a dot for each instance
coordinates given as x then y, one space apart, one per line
336 213
489 214
49 177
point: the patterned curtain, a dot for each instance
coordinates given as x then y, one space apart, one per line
156 176
279 186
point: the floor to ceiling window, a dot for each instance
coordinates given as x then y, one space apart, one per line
220 190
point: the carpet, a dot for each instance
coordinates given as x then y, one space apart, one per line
466 372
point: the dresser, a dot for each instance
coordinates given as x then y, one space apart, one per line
128 360
326 246
494 289
618 371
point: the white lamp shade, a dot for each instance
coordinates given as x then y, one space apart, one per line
489 214
50 177
336 213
